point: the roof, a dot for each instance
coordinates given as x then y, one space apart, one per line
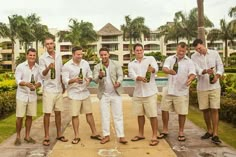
108 30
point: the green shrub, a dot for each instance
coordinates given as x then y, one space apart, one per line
7 102
8 85
230 70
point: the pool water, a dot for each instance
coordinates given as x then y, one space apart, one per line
127 82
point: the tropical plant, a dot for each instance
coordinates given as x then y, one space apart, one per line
90 55
232 12
133 29
225 33
12 31
79 33
184 26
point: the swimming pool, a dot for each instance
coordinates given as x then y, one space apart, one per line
128 82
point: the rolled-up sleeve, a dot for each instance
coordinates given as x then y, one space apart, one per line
131 71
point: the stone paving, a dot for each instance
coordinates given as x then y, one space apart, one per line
192 147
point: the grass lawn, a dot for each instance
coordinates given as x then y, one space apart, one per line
227 132
161 74
8 124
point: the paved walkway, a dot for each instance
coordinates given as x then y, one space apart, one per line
193 147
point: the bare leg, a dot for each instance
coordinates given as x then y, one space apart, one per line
154 124
182 119
46 122
28 123
207 118
141 122
165 120
90 121
215 121
18 126
75 123
58 122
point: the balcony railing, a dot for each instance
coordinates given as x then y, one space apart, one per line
106 40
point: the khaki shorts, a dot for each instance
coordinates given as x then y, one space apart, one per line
145 106
179 104
209 99
52 102
80 106
28 108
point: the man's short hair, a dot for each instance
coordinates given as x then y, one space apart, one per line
104 49
197 41
137 45
76 48
182 44
31 50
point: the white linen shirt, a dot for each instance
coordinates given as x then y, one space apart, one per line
71 70
177 83
24 73
211 59
51 85
136 69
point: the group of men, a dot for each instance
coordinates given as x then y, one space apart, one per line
75 76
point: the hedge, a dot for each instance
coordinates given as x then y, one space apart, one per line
7 102
7 85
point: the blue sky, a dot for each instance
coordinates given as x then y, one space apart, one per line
56 13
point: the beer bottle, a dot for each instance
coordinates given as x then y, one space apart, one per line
175 67
103 68
53 73
148 74
32 81
80 76
211 77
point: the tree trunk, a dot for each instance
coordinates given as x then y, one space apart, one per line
130 48
201 29
226 53
37 53
13 57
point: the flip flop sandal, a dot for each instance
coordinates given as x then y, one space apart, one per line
96 137
62 139
75 141
46 142
137 138
162 135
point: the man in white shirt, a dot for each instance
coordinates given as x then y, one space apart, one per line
50 68
208 62
176 95
28 80
145 93
78 92
109 75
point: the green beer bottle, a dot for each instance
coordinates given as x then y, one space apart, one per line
148 74
32 81
211 77
175 67
103 68
53 73
80 76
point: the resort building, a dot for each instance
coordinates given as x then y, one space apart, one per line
110 37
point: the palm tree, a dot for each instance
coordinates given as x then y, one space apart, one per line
225 33
133 29
201 30
232 12
12 31
79 33
184 26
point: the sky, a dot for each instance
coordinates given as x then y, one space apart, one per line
57 13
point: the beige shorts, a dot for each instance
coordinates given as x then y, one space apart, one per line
209 99
179 104
28 108
80 106
145 106
52 102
